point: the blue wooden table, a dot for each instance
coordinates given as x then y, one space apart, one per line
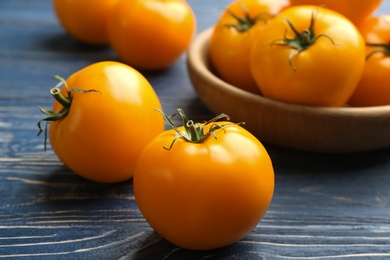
324 207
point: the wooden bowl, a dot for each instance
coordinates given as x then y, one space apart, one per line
317 129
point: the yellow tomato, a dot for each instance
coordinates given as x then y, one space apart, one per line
308 55
204 192
355 10
100 134
373 88
233 36
150 34
86 20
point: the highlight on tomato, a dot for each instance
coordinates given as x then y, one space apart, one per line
209 184
308 55
355 10
373 88
233 36
150 34
85 20
102 118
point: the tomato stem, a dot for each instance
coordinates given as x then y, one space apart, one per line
382 48
302 41
64 101
195 132
244 23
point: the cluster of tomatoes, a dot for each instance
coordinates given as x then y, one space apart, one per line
145 34
308 52
199 185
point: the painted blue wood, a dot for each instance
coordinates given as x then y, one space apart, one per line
325 206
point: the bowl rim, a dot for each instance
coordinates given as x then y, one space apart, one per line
301 127
200 43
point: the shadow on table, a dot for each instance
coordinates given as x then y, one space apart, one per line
295 161
66 43
153 247
64 189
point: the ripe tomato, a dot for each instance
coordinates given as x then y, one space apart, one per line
318 64
373 88
232 39
102 134
204 195
151 34
86 20
355 10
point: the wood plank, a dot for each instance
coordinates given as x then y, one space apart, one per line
325 206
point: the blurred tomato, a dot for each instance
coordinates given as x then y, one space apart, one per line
355 10
85 20
233 36
150 34
374 86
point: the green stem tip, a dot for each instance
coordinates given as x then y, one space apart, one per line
65 101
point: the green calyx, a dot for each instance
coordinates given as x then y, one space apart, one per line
64 101
195 132
302 41
382 48
243 23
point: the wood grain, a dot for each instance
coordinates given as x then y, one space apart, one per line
325 206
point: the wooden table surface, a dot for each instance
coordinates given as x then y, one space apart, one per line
325 206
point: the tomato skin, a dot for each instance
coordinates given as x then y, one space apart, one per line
85 20
229 48
151 34
206 195
103 134
373 88
324 74
355 10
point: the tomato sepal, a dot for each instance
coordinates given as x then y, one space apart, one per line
195 132
385 49
302 41
244 23
66 102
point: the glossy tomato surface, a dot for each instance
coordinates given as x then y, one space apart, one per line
324 72
204 195
374 86
354 10
233 36
104 132
85 20
151 34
